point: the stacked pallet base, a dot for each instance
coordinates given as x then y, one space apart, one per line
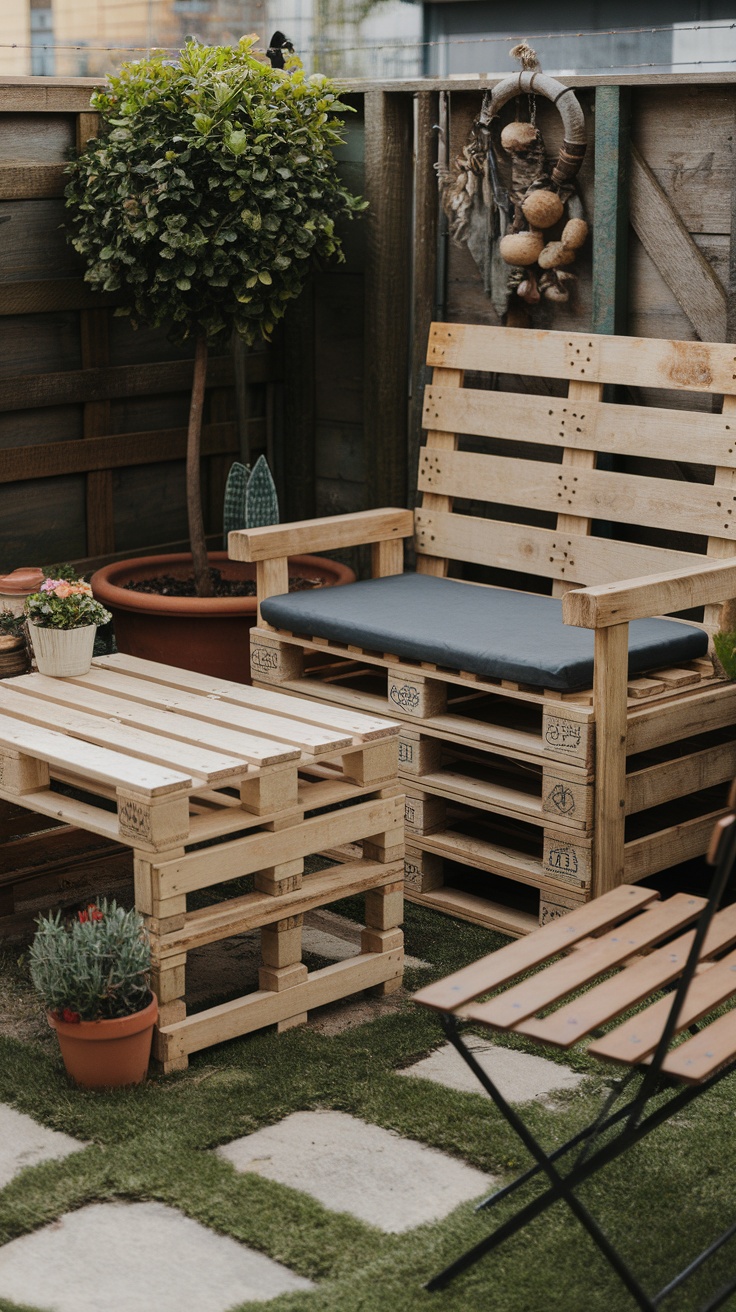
500 777
210 783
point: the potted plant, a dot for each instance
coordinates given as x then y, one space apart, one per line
62 619
206 200
207 634
93 977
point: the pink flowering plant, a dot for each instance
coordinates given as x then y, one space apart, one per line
95 966
61 604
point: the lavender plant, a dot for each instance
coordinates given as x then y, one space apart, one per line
95 967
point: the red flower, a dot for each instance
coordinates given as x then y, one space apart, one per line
96 914
71 1017
83 917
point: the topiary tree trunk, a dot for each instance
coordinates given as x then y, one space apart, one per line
200 562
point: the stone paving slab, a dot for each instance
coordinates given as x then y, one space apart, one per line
23 1142
137 1257
349 1166
519 1076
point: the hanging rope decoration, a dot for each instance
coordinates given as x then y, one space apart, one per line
522 222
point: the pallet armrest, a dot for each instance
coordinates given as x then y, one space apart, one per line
605 604
328 534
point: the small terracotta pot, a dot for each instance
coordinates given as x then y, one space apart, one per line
107 1054
208 634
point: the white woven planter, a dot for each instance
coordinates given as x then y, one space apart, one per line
62 652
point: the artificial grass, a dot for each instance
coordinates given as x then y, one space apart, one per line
661 1202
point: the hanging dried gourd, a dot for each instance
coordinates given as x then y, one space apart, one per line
522 222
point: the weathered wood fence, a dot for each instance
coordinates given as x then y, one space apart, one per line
92 415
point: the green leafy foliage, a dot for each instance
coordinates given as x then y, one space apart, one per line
725 645
261 498
66 572
95 967
11 625
63 605
211 191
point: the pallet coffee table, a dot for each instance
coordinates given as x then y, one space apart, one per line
210 782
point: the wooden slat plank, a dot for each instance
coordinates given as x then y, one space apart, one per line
571 518
256 1010
632 430
668 847
680 262
367 727
332 531
485 911
93 762
488 795
51 459
545 552
694 713
30 179
655 784
611 230
578 491
78 386
583 966
637 1038
37 297
693 584
499 967
48 95
306 737
700 1056
724 478
599 1005
204 869
246 746
632 361
204 765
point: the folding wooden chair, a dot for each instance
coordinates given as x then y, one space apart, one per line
648 938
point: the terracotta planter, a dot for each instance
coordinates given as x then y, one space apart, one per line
107 1054
62 652
207 634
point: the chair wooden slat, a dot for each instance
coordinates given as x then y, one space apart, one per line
541 551
574 490
638 1037
557 936
554 421
580 967
698 1057
632 361
630 986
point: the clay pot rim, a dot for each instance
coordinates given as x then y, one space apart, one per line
112 1027
106 590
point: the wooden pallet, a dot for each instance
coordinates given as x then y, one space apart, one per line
209 782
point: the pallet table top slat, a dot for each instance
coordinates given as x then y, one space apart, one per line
632 985
366 727
203 765
305 737
698 1057
181 728
557 936
580 967
94 762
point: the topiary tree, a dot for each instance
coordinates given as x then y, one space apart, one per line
209 194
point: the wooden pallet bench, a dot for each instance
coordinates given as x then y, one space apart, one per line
558 793
209 782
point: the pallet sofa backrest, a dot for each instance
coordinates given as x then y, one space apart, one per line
568 434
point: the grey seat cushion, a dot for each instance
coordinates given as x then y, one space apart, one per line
487 631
